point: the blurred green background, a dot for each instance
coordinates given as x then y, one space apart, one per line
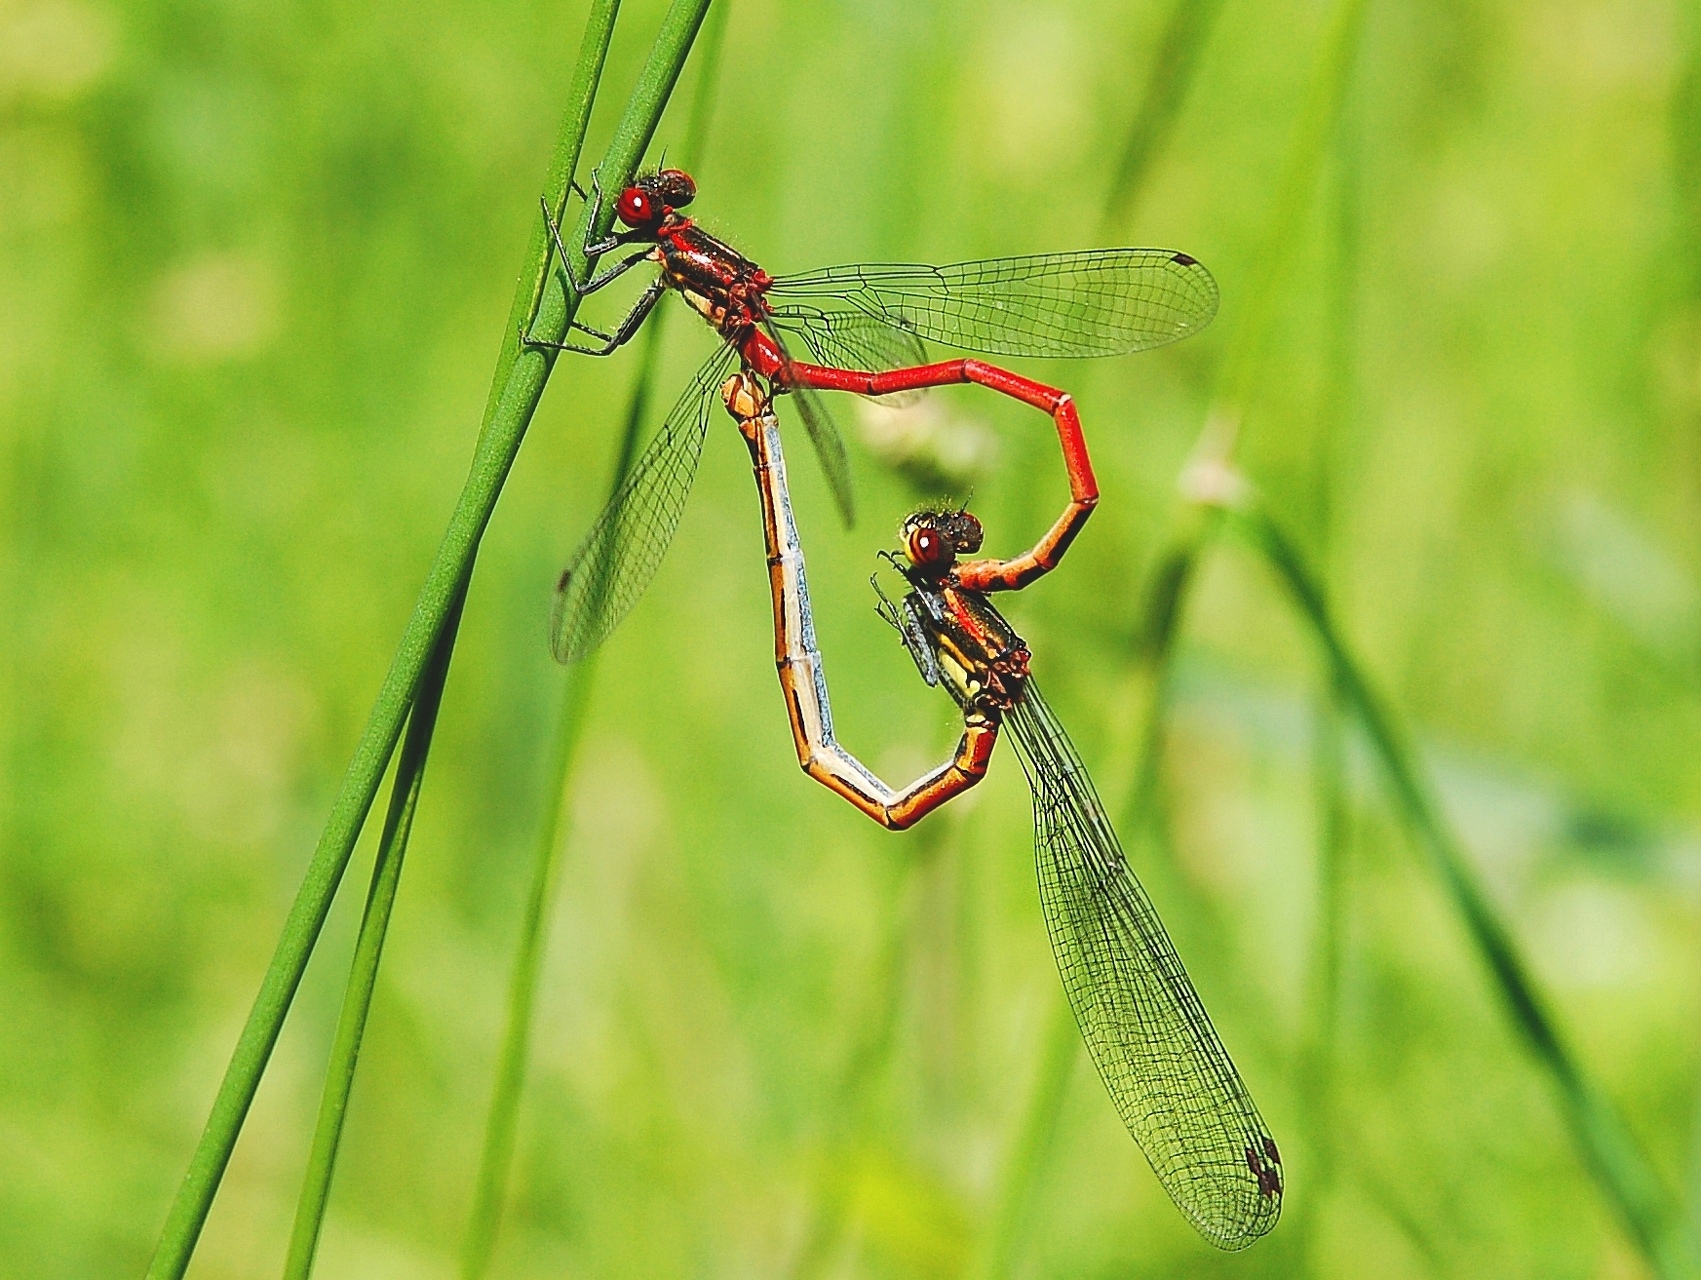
254 268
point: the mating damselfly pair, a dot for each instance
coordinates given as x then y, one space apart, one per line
1161 1060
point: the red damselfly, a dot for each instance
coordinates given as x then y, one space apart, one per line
864 325
1160 1058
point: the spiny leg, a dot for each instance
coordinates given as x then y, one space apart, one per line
633 318
629 325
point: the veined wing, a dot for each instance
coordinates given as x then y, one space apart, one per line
844 339
614 564
1095 302
818 422
1154 1046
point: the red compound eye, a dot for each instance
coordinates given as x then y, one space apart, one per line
635 207
926 546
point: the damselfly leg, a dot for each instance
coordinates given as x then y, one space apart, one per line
634 318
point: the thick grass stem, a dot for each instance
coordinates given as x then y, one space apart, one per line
522 382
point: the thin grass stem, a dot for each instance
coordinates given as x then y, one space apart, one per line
1153 668
710 43
522 377
497 1151
1176 570
368 951
1389 1202
1134 778
496 1156
1198 525
410 769
557 183
1320 1052
1610 1153
1318 123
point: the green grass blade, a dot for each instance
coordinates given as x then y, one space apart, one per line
1149 683
359 788
1610 1153
1179 48
710 42
498 444
1133 776
1132 773
368 951
1389 1202
1328 945
410 769
496 1157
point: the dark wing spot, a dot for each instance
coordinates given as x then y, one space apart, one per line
566 577
1184 260
1269 1179
1270 1151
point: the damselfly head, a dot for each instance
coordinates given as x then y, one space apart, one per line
933 540
654 195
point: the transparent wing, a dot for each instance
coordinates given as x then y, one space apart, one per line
829 444
852 340
1097 302
614 564
1154 1046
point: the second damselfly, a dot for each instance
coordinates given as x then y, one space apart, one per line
1162 1062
